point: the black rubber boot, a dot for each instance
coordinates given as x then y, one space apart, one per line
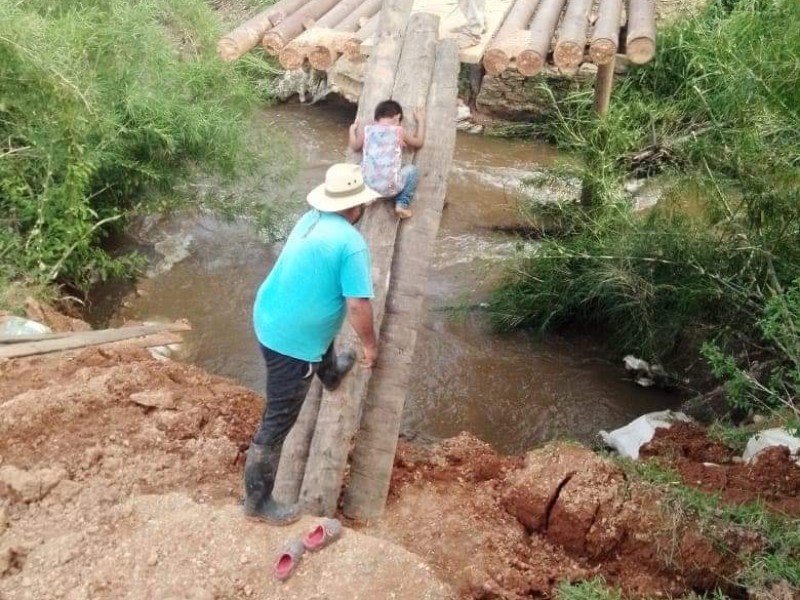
331 378
259 479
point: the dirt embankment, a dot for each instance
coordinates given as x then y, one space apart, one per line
120 478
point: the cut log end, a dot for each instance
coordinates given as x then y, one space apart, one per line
322 58
352 50
640 50
495 61
568 55
291 58
529 63
272 43
602 51
227 49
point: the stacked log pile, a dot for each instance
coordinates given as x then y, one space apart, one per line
565 33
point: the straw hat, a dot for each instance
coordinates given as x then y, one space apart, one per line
343 188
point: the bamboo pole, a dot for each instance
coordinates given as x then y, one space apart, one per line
571 44
640 43
283 33
340 410
376 442
531 60
605 35
246 37
511 39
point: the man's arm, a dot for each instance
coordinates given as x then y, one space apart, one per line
359 314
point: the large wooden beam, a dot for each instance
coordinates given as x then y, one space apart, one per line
288 29
316 44
246 37
531 60
603 83
511 39
376 442
571 44
640 43
340 411
605 35
338 13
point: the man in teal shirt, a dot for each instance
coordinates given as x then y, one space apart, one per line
321 276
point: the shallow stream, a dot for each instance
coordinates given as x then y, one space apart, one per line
513 391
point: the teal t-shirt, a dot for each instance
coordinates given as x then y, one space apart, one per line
300 306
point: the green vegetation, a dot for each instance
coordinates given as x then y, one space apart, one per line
779 558
105 106
593 589
717 262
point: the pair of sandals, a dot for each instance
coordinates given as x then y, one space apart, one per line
326 532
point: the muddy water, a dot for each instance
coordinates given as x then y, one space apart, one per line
513 391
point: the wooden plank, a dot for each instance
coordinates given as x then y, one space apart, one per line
340 411
452 18
88 338
376 442
36 337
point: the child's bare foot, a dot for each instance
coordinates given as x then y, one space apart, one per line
403 212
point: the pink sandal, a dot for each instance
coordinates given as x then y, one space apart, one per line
288 559
323 534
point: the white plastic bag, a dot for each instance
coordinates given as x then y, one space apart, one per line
769 438
629 439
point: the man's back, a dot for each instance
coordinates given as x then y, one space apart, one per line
301 305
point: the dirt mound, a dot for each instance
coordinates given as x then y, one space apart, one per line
773 477
120 478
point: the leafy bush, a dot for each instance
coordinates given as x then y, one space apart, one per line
102 103
717 111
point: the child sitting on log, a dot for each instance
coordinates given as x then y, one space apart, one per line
382 163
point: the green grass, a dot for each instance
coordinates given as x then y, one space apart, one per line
106 105
780 558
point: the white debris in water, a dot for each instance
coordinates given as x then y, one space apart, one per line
460 249
173 249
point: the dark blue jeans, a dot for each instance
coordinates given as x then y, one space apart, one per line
288 381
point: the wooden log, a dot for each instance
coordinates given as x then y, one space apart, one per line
340 411
603 84
511 38
323 55
338 13
82 339
531 60
605 35
640 43
352 47
288 29
571 44
294 455
246 37
373 455
365 12
325 42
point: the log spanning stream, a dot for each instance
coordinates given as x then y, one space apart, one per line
513 391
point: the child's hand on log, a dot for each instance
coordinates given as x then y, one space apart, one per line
419 114
354 126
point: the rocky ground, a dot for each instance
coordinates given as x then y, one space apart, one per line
120 478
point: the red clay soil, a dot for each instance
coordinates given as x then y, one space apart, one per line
101 448
772 478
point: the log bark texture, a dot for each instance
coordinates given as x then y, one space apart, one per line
511 39
320 46
531 60
339 412
338 13
640 43
605 35
603 84
247 36
376 442
363 13
288 29
571 43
